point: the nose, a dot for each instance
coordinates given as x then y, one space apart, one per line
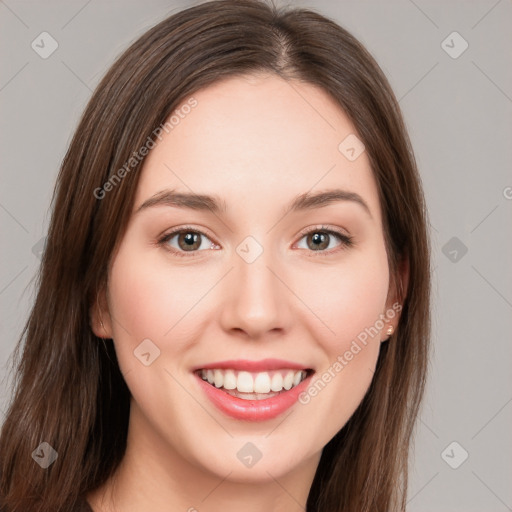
256 300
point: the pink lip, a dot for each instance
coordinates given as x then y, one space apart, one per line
252 410
252 366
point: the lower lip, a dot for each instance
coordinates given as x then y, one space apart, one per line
253 410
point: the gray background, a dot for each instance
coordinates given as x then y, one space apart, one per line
458 112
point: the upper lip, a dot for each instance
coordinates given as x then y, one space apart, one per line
252 366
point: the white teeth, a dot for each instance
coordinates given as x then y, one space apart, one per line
262 383
229 379
288 381
219 378
256 383
245 382
277 382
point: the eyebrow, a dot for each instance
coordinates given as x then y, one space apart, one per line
213 203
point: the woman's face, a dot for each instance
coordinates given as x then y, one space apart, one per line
254 288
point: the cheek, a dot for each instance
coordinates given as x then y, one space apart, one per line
346 298
350 302
149 298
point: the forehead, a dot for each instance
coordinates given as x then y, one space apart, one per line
257 139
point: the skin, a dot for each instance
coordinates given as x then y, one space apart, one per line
256 142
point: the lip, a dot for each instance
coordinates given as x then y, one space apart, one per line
252 366
252 410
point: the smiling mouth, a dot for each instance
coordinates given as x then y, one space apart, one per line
253 385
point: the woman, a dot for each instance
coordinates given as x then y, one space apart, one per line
233 303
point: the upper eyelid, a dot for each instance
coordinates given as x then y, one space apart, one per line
324 227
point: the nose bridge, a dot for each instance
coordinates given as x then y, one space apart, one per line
256 303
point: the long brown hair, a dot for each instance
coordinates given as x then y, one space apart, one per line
69 391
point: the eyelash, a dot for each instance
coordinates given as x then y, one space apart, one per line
346 241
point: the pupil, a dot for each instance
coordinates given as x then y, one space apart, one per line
190 239
319 240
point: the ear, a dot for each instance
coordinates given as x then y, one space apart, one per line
99 315
396 295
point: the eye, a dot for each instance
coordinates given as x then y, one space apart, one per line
189 240
322 236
